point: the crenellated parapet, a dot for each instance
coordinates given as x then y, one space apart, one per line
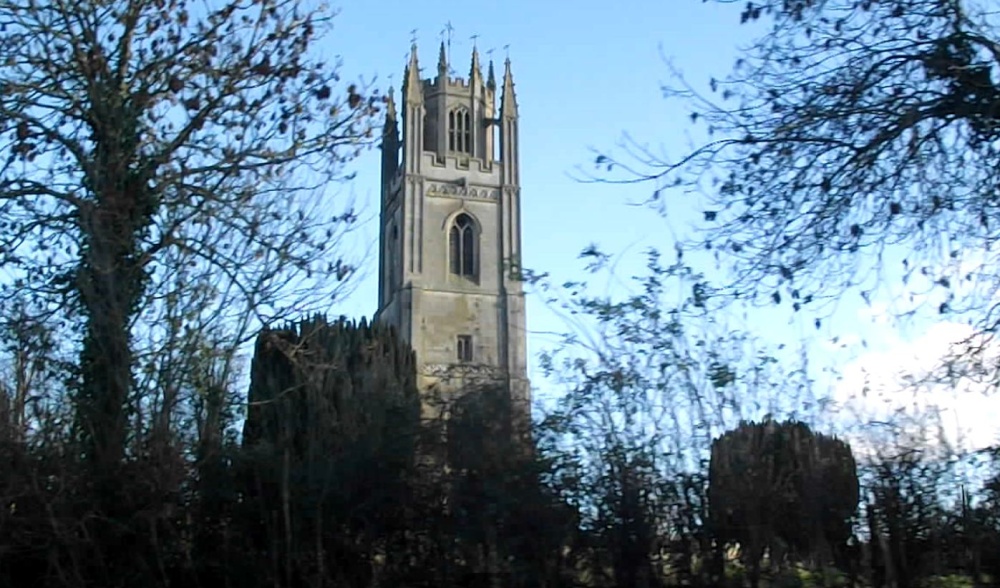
456 84
460 162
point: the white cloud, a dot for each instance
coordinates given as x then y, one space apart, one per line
890 385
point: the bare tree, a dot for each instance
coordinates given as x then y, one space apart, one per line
29 368
158 151
854 139
650 377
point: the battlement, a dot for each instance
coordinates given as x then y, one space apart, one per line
474 165
435 82
463 85
479 170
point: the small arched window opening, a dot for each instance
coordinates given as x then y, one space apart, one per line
462 243
459 131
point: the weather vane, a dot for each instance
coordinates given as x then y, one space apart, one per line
474 39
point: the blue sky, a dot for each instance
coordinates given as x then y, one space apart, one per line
586 72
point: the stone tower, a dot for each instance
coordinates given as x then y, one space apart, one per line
450 238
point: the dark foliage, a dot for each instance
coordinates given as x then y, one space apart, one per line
337 483
779 487
505 523
330 440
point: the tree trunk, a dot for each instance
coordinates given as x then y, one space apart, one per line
109 286
320 552
110 281
286 509
22 385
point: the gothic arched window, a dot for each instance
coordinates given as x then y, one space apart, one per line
462 244
459 131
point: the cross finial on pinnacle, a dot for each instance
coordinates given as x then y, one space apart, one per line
449 30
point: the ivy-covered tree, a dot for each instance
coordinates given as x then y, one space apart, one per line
157 155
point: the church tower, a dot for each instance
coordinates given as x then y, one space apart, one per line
450 238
